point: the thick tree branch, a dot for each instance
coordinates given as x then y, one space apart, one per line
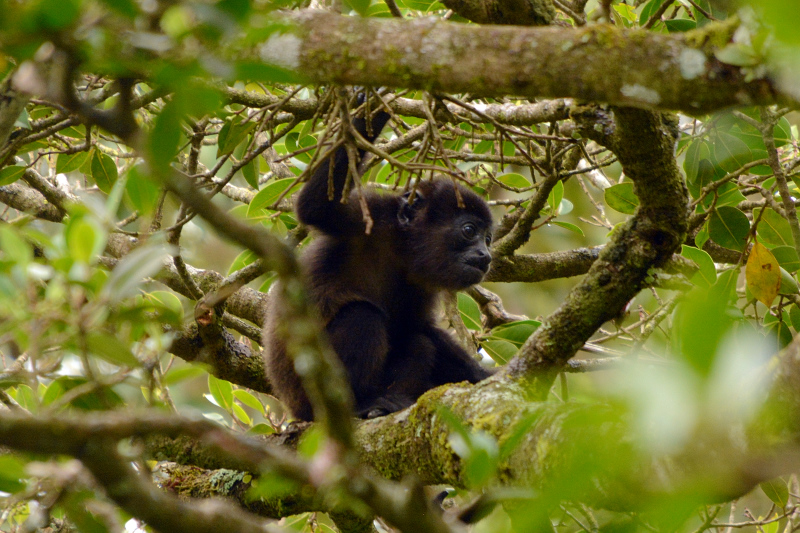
226 358
677 71
551 446
159 509
94 442
544 266
29 200
644 142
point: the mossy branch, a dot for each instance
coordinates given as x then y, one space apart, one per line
653 70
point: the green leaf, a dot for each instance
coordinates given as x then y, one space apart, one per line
141 263
626 14
142 190
621 198
566 225
14 246
242 260
730 152
555 197
165 136
111 349
741 129
787 257
270 485
788 283
782 132
250 173
66 163
728 194
680 25
182 373
232 134
378 9
27 398
701 321
773 228
303 140
53 392
484 147
222 391
168 301
85 240
241 414
706 173
515 332
9 175
56 14
359 6
698 151
23 120
78 513
249 400
261 429
104 171
518 181
794 317
702 236
101 399
499 350
268 196
778 328
12 473
725 287
728 227
470 311
419 5
311 442
650 8
238 9
124 7
771 527
707 273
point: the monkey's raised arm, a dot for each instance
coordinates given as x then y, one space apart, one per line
315 208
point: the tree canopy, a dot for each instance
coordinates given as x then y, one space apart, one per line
640 158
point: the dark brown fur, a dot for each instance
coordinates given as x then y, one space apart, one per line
377 292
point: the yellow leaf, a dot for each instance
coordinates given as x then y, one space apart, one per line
763 274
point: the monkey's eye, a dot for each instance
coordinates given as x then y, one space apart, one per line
469 231
488 239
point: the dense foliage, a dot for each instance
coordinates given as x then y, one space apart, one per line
149 156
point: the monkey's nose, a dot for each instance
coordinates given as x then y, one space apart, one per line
480 259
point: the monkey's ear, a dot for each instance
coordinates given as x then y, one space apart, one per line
409 208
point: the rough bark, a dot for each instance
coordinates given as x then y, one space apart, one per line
644 142
652 70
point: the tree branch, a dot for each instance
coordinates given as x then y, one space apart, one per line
644 142
657 71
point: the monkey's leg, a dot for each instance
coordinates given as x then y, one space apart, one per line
358 334
428 359
408 375
452 363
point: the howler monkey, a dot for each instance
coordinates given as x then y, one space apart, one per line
376 292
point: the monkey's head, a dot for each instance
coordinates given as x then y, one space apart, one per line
446 246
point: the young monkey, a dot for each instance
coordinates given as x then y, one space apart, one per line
377 292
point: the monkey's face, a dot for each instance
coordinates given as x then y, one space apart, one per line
452 254
470 238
